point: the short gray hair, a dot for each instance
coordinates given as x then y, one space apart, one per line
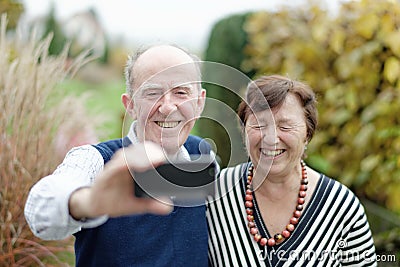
128 71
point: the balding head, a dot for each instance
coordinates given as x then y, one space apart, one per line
155 59
164 95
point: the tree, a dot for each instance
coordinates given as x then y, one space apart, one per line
52 27
225 45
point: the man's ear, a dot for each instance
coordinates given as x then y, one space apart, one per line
201 101
129 105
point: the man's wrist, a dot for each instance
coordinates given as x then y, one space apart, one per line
78 204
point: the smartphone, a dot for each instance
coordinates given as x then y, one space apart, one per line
180 181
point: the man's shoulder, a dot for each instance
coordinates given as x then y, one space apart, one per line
108 148
197 145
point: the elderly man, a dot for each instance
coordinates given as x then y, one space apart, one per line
91 194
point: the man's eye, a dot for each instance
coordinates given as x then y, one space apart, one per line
181 92
152 93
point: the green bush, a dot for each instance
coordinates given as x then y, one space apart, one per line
352 60
226 43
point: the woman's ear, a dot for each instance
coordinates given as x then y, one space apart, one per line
128 103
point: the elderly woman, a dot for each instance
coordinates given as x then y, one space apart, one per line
275 210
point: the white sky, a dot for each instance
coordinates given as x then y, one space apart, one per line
183 22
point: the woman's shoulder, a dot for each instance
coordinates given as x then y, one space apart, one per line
336 189
234 170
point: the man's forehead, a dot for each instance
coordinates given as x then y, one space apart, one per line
172 76
165 86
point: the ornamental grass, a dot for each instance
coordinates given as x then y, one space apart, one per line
32 112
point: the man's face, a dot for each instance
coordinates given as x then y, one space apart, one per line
166 103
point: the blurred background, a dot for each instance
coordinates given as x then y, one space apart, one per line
61 77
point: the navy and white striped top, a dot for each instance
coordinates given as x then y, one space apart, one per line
332 231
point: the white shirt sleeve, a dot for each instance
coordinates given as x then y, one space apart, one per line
46 208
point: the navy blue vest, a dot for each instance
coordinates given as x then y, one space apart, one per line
178 239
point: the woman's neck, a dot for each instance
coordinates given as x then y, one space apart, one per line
278 186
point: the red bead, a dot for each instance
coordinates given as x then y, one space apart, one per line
303 187
249 211
299 207
294 220
249 197
297 214
250 218
285 233
249 192
301 200
302 194
248 204
304 181
271 242
290 227
257 237
253 231
251 224
263 241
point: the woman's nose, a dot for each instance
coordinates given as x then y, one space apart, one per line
270 135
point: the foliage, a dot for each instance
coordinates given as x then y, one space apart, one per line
388 241
13 9
221 49
32 115
103 98
352 61
53 27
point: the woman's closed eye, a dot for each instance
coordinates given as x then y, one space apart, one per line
286 128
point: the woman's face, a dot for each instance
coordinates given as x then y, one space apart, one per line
276 138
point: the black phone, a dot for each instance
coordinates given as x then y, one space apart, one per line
181 181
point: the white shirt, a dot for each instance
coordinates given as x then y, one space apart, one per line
46 209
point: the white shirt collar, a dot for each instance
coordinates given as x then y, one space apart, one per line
182 154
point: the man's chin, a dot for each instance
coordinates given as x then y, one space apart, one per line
170 145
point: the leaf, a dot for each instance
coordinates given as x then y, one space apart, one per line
393 40
364 135
340 117
392 69
367 25
393 198
370 162
337 41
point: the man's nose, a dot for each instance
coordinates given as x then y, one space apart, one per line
167 105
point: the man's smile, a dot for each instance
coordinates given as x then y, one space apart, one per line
167 124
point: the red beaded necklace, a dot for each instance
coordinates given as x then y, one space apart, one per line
279 237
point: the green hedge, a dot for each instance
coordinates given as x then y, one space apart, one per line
352 60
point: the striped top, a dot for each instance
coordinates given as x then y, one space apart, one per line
332 231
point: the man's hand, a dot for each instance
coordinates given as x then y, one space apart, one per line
112 193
